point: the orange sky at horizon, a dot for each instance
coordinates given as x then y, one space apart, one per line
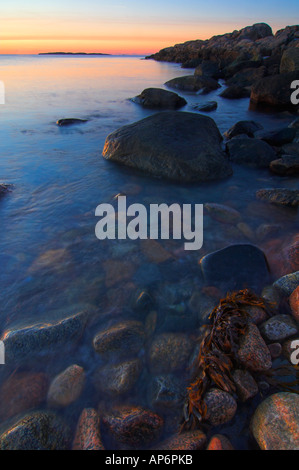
120 26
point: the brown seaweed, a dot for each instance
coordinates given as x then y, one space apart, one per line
218 351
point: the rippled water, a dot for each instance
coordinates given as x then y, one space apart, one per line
49 256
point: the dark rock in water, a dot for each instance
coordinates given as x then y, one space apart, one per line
235 93
243 127
287 284
246 385
274 91
88 436
295 124
70 122
159 98
43 338
290 149
193 83
275 422
240 65
169 352
236 266
191 440
4 188
206 107
166 392
247 77
278 138
253 352
279 328
208 69
66 387
117 379
222 213
288 165
21 392
184 147
290 60
123 338
191 64
41 430
280 197
221 407
132 427
250 152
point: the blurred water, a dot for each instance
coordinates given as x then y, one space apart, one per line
49 255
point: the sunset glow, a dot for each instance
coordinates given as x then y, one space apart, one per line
127 27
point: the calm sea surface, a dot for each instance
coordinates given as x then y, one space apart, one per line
50 259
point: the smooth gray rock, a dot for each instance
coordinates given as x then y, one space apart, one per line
159 98
184 147
250 152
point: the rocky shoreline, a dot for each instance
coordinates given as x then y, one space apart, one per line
172 367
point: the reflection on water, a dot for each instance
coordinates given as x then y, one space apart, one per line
50 258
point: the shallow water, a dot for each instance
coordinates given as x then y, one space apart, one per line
49 256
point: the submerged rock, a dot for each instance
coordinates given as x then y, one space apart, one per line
41 430
133 427
278 328
222 213
280 197
166 392
246 385
236 266
88 436
159 98
221 407
287 165
206 107
193 83
123 338
275 423
4 188
44 338
22 392
253 352
67 387
117 379
70 122
250 152
184 147
169 352
191 440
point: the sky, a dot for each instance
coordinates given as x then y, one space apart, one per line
129 26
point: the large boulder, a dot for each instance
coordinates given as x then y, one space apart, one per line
275 423
235 92
256 31
247 76
274 91
159 98
183 147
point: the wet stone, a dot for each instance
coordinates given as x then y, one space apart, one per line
219 442
287 284
117 379
169 352
67 387
279 328
192 440
166 392
221 407
245 384
125 338
253 352
88 436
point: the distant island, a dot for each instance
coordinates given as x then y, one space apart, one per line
72 53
